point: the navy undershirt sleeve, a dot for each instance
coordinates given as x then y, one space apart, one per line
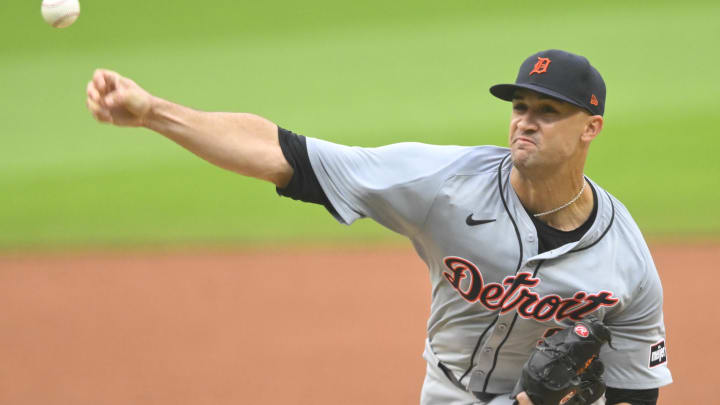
304 185
634 397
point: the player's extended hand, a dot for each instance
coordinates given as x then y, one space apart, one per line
117 100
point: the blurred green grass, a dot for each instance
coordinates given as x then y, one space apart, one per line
365 73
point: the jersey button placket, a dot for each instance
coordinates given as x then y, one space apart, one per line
477 380
487 353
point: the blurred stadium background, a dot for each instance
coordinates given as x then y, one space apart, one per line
363 73
156 328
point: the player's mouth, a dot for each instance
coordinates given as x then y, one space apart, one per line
523 139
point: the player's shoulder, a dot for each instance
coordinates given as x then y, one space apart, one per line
488 154
463 159
621 217
483 158
629 238
457 150
433 158
625 222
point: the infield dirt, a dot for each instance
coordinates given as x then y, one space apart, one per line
280 326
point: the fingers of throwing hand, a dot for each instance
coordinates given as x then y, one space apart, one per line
105 80
98 112
92 92
99 80
114 98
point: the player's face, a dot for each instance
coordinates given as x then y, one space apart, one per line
545 131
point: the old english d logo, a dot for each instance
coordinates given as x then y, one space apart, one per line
541 66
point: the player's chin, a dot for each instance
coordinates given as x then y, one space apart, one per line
521 157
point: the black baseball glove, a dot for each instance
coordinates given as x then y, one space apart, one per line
564 368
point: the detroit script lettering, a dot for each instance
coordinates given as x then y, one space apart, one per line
514 293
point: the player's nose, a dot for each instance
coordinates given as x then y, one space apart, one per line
527 124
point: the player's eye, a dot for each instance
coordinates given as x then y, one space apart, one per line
548 109
520 107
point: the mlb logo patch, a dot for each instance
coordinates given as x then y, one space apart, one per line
658 355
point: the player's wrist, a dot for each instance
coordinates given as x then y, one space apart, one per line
150 117
160 115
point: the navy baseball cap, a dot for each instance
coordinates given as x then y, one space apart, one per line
560 75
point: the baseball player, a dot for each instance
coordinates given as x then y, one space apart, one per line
518 242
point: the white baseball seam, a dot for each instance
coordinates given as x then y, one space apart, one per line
55 4
60 20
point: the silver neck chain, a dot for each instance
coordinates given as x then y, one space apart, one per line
567 204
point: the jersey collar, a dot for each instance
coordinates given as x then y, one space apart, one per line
603 221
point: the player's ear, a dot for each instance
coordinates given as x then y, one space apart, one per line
593 126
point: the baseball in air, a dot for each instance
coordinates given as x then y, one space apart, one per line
60 13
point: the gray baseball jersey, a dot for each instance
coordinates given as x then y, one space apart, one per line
493 295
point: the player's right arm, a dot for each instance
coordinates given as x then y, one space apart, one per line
243 143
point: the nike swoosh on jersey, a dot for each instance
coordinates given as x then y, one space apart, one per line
472 222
